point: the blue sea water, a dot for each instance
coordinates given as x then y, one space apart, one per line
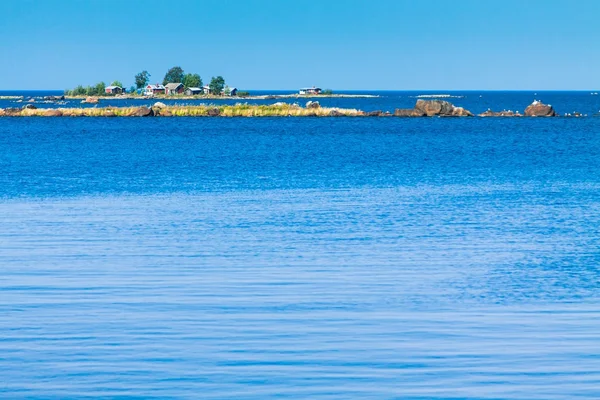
338 258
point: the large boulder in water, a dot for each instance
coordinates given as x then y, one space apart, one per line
539 109
434 107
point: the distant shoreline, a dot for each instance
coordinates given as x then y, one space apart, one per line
202 97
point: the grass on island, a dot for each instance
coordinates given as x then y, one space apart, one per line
238 110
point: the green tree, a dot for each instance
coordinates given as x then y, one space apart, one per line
116 83
142 79
216 85
174 75
99 88
78 91
192 80
132 89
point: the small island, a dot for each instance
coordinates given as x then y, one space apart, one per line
179 85
422 108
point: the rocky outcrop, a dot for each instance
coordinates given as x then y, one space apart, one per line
12 111
313 104
29 107
460 112
159 104
335 113
409 112
539 109
504 113
142 112
433 108
53 113
377 113
54 98
441 108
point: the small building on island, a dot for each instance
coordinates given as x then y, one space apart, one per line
173 88
113 90
194 91
310 90
151 90
206 89
230 91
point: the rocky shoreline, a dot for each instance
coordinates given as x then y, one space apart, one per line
422 108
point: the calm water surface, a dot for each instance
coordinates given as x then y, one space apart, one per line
300 258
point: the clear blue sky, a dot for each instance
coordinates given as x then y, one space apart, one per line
285 44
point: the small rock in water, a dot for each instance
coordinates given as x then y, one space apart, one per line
90 100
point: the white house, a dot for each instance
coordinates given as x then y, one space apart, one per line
151 90
310 90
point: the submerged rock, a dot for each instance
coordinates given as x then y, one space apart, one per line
503 113
539 109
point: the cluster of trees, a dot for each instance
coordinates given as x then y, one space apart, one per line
173 75
96 90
